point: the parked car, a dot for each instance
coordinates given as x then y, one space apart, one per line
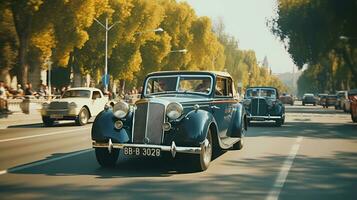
341 97
328 100
309 99
287 99
77 104
352 96
179 112
262 104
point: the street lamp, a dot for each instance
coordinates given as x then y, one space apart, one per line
49 63
107 29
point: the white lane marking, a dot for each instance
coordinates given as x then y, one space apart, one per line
284 171
45 134
2 172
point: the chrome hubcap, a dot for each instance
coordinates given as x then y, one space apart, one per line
207 152
84 117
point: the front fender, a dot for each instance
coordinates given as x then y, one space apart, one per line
238 120
194 126
103 128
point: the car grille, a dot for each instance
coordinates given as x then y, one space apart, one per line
58 105
148 121
259 107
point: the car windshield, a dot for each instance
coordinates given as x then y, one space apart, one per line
76 93
179 84
260 92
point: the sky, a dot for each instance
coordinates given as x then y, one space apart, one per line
246 21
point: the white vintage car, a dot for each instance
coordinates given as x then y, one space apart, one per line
77 104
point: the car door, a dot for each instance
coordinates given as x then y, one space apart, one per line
222 106
98 102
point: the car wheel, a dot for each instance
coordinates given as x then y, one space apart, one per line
48 121
354 118
204 159
314 104
279 122
82 117
106 158
303 104
239 145
248 122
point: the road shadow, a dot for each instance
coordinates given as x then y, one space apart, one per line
41 125
313 110
85 164
310 178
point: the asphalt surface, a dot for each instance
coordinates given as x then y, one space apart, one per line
312 156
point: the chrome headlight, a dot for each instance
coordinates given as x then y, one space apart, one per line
174 110
246 102
121 109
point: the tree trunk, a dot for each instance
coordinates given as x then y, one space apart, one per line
24 68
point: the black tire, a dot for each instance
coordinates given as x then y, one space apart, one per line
202 161
354 119
303 104
82 117
278 122
248 122
106 159
314 104
47 121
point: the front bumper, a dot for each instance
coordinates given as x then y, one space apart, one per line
263 118
173 148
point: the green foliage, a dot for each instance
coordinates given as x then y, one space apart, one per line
312 30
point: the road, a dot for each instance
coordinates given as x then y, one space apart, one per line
313 156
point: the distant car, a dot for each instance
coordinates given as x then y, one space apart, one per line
328 100
179 112
262 104
341 97
352 96
77 104
308 99
287 99
319 97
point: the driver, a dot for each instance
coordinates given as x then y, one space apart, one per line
204 86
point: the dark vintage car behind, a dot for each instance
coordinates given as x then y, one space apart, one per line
262 104
179 112
308 99
352 96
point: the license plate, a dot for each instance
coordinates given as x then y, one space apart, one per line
56 116
142 151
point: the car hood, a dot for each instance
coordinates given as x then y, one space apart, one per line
69 100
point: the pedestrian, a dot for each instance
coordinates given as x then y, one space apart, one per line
29 91
3 98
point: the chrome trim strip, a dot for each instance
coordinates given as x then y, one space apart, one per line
264 117
173 148
147 120
132 128
178 81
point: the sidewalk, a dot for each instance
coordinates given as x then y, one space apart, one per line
19 118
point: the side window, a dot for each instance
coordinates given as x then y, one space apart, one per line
96 95
221 87
229 87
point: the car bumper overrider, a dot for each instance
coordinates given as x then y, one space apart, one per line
173 148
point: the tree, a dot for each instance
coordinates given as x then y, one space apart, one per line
312 30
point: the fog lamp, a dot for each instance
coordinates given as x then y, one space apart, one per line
118 124
166 126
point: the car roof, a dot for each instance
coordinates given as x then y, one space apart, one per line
265 87
214 73
84 88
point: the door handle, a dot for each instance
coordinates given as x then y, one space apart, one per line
215 107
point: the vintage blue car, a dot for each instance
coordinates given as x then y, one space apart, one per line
189 112
262 104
